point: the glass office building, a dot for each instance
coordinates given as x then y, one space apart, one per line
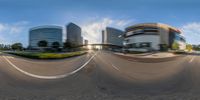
74 34
48 33
112 36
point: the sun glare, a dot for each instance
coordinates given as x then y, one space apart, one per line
89 47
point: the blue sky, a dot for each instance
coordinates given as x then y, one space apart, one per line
17 16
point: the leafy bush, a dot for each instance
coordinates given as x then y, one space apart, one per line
189 47
175 46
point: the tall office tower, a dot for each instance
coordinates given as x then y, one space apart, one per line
112 36
74 34
103 36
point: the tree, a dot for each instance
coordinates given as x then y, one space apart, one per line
55 45
5 47
189 47
42 43
67 45
17 46
175 46
196 47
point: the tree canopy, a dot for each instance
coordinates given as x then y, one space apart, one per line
55 45
175 46
42 43
17 46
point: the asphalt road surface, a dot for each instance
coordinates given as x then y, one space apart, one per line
99 75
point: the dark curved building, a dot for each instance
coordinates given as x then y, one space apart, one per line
48 33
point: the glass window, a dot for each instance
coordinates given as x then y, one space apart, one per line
179 37
139 45
144 45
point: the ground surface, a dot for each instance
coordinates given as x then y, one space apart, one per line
99 75
150 55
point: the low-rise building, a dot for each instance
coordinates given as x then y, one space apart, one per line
152 37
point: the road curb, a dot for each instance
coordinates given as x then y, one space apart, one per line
148 60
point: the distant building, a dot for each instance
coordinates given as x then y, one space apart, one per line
103 36
152 37
81 41
74 34
86 42
49 33
112 36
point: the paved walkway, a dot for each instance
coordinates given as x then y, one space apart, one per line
150 55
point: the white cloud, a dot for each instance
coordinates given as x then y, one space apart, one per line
2 28
92 31
122 22
11 32
192 32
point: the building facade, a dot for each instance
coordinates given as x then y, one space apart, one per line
112 36
103 36
81 41
49 33
85 42
74 34
152 37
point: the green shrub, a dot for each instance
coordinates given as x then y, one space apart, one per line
175 46
189 47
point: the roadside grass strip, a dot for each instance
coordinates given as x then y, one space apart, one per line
48 55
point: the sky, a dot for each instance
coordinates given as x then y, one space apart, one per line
18 16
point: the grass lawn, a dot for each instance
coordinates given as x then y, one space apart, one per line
48 55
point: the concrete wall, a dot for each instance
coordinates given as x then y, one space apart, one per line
164 34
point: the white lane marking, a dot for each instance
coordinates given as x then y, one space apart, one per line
10 57
49 77
115 67
191 59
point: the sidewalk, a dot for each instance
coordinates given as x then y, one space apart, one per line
150 55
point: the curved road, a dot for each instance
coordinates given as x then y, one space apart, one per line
99 75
